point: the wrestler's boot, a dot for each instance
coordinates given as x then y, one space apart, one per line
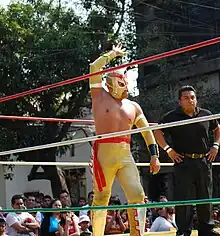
137 219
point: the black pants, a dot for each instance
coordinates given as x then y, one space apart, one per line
193 180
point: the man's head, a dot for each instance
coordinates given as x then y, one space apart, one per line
82 201
65 198
117 84
90 197
31 202
187 98
84 222
47 201
2 226
17 202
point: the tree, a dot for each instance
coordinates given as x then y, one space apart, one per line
43 43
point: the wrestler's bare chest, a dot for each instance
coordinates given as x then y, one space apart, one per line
112 115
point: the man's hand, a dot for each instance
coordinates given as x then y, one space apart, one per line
175 157
119 50
212 154
154 165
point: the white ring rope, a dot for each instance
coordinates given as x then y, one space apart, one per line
27 163
115 134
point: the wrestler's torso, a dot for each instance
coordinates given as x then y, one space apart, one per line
112 115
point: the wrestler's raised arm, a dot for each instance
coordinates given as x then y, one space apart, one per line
96 81
141 121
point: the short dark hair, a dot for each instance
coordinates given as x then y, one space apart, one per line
82 198
16 197
90 193
184 89
64 191
47 196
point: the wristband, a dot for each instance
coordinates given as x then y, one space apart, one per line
97 85
166 148
153 149
216 145
169 150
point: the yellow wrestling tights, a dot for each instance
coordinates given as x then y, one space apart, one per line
116 160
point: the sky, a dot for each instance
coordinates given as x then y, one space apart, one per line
133 74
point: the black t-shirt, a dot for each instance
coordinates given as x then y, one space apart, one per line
191 138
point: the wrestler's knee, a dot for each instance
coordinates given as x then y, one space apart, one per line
137 196
101 198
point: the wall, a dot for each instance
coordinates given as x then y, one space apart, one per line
20 184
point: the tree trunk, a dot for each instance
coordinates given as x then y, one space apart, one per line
57 179
52 173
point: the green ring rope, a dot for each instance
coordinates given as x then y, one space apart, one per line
213 201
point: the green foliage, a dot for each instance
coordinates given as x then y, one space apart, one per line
42 43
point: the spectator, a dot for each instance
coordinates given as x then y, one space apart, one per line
84 223
70 224
114 222
21 223
124 216
147 224
50 224
45 203
65 198
164 222
82 201
90 199
3 227
31 202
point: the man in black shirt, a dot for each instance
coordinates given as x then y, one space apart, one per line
192 154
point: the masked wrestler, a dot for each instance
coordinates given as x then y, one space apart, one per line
112 158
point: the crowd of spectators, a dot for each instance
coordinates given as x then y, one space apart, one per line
69 223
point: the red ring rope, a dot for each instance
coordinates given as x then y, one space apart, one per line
51 119
141 61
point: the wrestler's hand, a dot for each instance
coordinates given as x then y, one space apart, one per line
212 154
175 157
119 50
154 165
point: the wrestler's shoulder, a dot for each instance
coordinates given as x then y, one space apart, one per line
135 104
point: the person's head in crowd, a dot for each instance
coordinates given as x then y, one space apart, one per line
163 199
38 204
47 201
17 202
31 202
84 222
90 197
166 212
65 198
146 199
82 201
2 227
55 203
114 200
147 224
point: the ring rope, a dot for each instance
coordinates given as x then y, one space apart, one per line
32 163
141 61
115 134
213 201
34 118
